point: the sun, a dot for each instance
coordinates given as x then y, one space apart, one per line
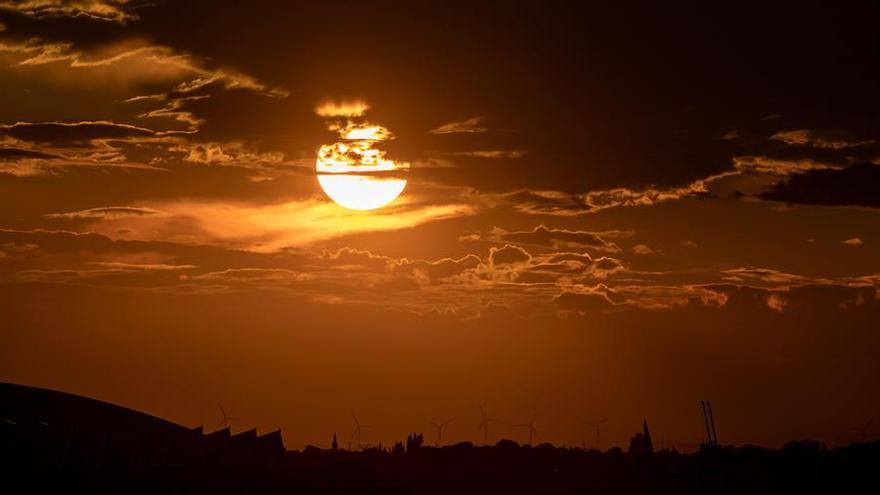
355 172
358 192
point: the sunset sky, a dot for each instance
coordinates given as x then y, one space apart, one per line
605 212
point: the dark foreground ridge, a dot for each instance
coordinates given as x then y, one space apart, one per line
52 442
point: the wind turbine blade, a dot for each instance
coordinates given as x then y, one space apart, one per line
435 425
447 422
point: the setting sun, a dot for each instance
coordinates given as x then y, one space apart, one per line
355 172
359 192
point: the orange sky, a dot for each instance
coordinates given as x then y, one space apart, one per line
606 213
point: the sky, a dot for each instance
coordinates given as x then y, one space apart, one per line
606 212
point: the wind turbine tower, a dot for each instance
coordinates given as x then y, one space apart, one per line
531 427
358 427
224 418
439 427
597 426
484 424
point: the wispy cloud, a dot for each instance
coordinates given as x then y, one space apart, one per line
120 11
560 238
468 126
816 139
107 212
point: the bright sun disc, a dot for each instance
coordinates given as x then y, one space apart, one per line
355 172
359 192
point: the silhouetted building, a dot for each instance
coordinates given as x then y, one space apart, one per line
641 443
55 428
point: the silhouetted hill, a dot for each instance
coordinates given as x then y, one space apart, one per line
51 442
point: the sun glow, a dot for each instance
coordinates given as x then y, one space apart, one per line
355 172
358 192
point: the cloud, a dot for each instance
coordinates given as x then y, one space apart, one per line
508 276
855 241
428 272
781 175
768 277
556 203
253 277
508 255
274 227
816 139
119 11
119 266
584 301
508 154
541 235
12 154
107 212
236 153
349 109
469 126
174 109
73 132
34 148
776 302
766 165
644 249
857 185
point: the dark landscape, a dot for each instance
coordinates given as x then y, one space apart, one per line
52 442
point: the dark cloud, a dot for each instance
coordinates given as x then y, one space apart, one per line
858 185
119 11
9 154
507 255
72 132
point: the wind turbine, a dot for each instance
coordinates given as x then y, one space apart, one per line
597 425
358 426
484 424
863 429
439 429
531 426
224 418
